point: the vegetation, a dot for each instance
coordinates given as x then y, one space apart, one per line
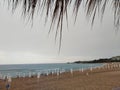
104 60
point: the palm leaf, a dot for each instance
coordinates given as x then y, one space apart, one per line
58 9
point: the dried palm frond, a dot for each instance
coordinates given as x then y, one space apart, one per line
116 5
58 10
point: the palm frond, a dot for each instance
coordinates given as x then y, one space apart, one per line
58 10
116 5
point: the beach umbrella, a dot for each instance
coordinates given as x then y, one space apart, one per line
82 70
79 70
71 71
53 72
0 76
62 71
4 77
47 73
9 79
30 74
23 75
114 65
8 76
91 68
117 65
58 73
108 66
38 75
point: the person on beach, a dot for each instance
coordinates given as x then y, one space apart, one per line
8 82
7 86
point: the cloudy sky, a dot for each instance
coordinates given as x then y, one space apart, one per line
21 43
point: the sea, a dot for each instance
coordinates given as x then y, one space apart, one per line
26 69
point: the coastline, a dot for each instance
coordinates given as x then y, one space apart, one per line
24 70
99 78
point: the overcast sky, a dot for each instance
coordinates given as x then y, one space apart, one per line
21 43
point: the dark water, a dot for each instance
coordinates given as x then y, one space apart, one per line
13 70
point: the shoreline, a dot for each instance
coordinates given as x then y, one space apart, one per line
99 78
32 72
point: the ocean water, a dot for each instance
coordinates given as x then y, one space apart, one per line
26 69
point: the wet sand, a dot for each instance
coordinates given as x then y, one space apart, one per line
105 78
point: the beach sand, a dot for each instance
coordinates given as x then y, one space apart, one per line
105 78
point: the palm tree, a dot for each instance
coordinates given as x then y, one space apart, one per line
58 9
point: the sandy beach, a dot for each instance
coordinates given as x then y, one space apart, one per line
103 78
